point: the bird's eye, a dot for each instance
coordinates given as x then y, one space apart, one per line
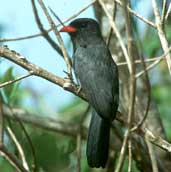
84 25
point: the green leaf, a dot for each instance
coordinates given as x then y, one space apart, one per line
7 77
10 90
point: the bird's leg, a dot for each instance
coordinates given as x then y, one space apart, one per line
79 89
78 86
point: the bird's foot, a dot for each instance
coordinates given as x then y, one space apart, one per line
79 89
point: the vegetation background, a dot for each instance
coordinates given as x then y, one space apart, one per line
56 121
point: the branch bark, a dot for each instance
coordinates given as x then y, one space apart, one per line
38 71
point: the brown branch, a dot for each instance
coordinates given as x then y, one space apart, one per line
122 152
129 155
1 122
164 6
34 166
161 34
156 61
147 60
151 66
79 152
44 32
16 80
38 71
156 140
19 148
18 59
4 152
148 90
12 159
152 156
46 123
55 15
71 130
108 39
168 12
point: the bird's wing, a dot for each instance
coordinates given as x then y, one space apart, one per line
99 79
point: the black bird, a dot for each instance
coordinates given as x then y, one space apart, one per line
98 75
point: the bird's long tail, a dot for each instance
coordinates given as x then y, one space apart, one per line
98 141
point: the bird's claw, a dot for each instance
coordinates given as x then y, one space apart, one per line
79 89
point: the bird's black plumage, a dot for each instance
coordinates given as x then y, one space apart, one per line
98 75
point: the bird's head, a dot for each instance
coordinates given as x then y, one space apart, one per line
82 27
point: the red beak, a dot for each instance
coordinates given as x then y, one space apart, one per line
68 29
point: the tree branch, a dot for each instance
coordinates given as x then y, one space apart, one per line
12 159
56 32
71 130
161 34
16 80
45 33
45 122
1 122
38 71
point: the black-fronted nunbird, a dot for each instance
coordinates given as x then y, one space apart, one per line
98 75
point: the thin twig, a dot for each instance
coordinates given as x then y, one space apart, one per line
111 30
34 166
148 91
44 32
152 156
79 137
168 12
161 34
1 122
164 5
17 79
79 152
148 60
12 159
19 148
137 15
149 67
122 152
60 21
158 60
62 46
33 152
129 155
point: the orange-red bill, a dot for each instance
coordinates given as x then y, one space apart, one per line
68 29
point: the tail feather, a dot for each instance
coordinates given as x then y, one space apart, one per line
98 141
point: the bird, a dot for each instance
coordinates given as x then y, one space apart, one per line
98 76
